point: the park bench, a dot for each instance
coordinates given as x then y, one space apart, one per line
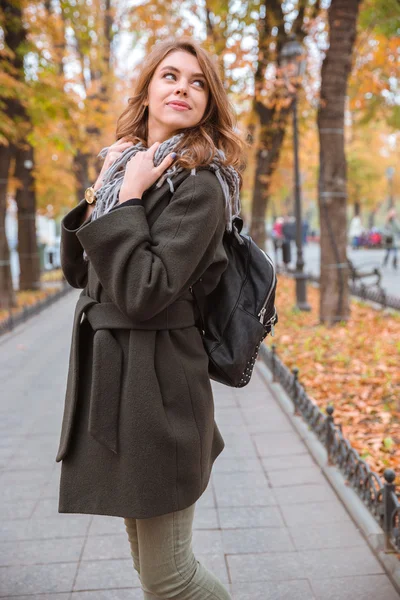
358 275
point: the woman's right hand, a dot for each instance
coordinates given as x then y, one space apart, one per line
113 153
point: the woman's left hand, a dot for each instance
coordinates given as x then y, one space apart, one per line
140 172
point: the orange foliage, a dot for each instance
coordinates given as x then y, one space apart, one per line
354 366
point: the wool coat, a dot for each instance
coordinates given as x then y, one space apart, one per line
138 436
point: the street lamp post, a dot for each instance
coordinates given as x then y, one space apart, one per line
293 62
389 176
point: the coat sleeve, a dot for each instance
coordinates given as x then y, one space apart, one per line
144 270
75 269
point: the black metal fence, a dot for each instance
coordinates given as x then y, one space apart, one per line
12 321
366 292
379 496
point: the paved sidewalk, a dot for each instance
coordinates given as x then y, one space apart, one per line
269 524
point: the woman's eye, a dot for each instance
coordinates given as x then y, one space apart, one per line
173 75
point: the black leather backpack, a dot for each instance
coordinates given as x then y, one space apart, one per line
240 312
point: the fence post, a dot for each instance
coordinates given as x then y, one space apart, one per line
329 433
295 372
388 506
273 359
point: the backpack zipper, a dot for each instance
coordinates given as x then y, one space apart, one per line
261 314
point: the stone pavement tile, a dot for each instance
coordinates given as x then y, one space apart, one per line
37 579
39 529
104 525
259 495
270 426
276 463
297 494
115 594
340 562
106 574
240 479
224 400
278 444
22 491
314 512
266 416
207 499
20 509
229 414
216 564
11 442
46 507
19 477
250 516
326 535
52 487
367 587
6 455
278 566
257 539
236 465
297 476
278 590
43 552
61 596
107 547
231 428
205 518
30 461
207 541
238 445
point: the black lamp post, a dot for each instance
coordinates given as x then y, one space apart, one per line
293 62
389 176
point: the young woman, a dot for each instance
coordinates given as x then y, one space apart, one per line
138 436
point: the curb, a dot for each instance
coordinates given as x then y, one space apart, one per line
4 336
359 513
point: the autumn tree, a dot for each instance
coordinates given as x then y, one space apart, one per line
17 153
332 185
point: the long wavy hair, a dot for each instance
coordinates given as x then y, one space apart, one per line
216 130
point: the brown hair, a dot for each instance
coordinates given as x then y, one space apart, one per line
216 130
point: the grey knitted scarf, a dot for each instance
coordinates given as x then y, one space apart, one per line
107 195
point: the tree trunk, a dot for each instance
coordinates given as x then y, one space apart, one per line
269 147
26 201
15 37
272 118
7 294
332 187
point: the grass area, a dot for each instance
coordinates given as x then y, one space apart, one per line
27 298
355 366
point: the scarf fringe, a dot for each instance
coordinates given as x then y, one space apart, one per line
107 195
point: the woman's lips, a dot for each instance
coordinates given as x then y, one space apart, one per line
177 106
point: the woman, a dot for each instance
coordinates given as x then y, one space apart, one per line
138 436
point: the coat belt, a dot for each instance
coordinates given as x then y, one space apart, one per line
107 364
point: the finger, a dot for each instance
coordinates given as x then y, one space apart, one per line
153 148
167 162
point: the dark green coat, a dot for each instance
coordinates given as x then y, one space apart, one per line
138 435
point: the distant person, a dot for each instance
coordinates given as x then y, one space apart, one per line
355 231
392 233
277 236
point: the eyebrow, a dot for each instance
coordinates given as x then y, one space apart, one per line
178 71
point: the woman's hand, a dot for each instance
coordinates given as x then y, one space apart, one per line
113 153
140 172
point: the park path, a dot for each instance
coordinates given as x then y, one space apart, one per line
269 524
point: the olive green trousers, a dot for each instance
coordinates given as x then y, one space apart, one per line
161 548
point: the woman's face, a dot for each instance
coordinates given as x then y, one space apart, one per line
178 78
